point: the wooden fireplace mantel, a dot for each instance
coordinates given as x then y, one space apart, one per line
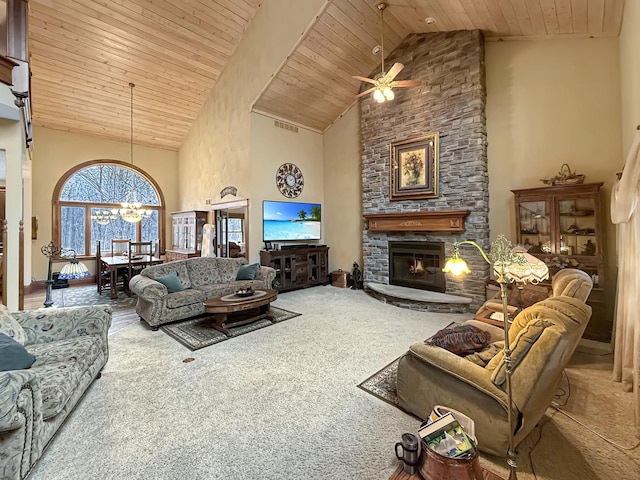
437 221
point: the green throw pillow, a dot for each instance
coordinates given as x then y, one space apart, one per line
248 272
171 281
13 356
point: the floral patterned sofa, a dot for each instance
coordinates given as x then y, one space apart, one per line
201 277
70 346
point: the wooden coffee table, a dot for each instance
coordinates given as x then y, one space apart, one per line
232 311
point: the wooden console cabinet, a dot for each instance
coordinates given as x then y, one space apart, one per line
563 226
186 228
298 267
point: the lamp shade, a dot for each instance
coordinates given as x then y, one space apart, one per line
74 270
456 266
530 270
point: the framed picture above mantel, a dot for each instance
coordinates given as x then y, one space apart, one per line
414 168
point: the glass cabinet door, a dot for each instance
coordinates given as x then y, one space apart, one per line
535 231
578 235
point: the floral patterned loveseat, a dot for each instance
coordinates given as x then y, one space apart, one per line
70 347
201 277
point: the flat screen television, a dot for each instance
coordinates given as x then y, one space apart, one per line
283 221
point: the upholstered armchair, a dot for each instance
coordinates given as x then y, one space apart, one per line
543 338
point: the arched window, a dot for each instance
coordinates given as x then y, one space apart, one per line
85 197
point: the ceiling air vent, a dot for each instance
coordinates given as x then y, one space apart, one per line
285 126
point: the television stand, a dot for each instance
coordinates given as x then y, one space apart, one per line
298 267
296 246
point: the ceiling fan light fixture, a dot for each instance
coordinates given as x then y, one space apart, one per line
388 93
378 96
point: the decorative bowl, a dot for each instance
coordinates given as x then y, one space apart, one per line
245 292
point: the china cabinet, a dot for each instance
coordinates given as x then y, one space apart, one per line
186 228
562 225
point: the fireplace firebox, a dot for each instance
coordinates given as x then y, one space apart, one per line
417 265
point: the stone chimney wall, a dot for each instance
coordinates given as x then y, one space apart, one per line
451 102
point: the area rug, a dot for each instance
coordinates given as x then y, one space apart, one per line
198 332
88 295
382 384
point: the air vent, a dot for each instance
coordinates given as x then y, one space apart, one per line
285 126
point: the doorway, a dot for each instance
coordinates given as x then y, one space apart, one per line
231 229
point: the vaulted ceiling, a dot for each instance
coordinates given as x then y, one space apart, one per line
84 53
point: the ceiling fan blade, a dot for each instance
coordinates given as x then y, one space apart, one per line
362 94
395 70
364 79
407 83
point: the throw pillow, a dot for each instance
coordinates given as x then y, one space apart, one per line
248 272
171 281
10 326
13 356
461 339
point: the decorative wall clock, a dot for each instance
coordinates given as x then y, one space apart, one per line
289 180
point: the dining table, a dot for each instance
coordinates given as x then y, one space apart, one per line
116 263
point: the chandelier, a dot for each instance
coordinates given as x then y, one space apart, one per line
131 210
103 217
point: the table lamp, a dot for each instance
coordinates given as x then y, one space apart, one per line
510 265
72 270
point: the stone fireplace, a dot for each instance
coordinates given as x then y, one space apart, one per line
452 103
417 265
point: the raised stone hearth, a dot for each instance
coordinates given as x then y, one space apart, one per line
416 299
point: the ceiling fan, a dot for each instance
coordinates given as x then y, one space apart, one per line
384 82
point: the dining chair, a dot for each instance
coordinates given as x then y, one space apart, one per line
140 255
156 249
103 277
120 247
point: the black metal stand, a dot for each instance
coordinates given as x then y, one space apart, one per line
48 301
50 250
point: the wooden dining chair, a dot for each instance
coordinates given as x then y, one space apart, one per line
140 255
103 277
120 247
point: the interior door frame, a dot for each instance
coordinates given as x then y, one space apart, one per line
234 204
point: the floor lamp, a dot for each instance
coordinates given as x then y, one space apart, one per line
510 265
72 270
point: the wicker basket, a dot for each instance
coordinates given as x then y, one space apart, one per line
565 177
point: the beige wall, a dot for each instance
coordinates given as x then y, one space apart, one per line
271 147
630 72
549 103
56 152
343 191
216 152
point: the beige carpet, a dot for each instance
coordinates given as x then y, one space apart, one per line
558 449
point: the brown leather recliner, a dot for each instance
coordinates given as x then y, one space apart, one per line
542 337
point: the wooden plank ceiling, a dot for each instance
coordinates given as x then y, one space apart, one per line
315 86
84 53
